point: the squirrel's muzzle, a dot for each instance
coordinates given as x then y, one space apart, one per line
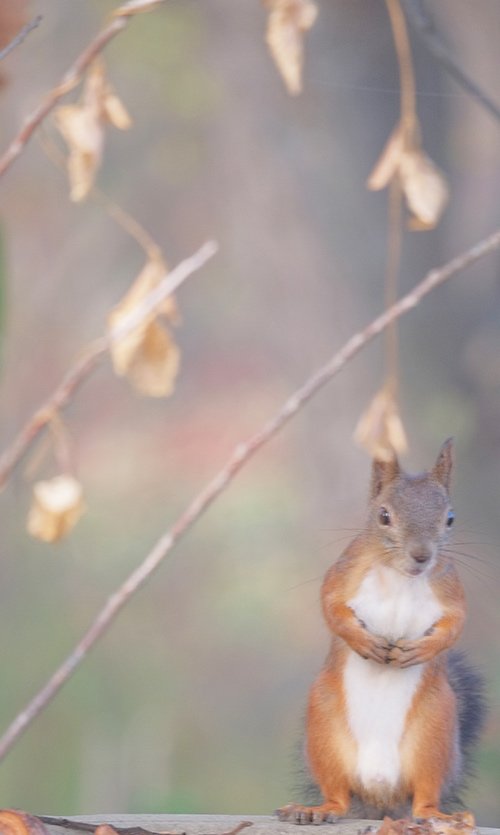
420 555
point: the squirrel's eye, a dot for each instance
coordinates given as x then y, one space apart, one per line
450 519
384 517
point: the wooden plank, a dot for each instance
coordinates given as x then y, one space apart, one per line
221 824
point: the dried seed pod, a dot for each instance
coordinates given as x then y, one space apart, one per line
82 127
424 187
380 430
288 20
147 355
56 508
13 822
423 184
387 164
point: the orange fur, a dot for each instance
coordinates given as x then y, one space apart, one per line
428 748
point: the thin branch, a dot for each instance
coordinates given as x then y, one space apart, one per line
394 246
92 357
124 219
410 128
71 78
57 401
240 456
422 22
128 223
83 826
409 119
21 35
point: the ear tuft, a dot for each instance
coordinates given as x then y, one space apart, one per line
383 472
444 463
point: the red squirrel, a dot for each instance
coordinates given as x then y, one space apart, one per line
392 714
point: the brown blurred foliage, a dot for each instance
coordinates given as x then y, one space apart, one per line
13 16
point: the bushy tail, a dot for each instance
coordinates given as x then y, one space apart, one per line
468 686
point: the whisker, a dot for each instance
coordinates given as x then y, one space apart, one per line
474 570
304 583
334 541
470 532
336 530
476 557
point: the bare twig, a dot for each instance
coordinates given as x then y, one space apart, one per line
21 35
240 456
128 223
83 826
71 78
236 829
394 246
91 358
134 7
57 401
409 119
422 22
410 128
124 219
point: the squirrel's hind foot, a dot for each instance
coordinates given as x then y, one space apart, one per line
296 813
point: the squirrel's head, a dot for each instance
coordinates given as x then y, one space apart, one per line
412 514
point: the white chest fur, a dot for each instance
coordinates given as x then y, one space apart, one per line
378 697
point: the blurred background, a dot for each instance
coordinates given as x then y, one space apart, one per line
193 702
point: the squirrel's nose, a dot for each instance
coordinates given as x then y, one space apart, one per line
420 556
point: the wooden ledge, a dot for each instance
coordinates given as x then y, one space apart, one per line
222 824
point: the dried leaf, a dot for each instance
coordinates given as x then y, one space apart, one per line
116 112
152 273
391 827
423 184
82 127
462 823
56 508
388 162
424 187
380 429
13 822
288 20
148 355
84 136
155 364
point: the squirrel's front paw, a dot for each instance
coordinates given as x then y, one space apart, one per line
372 647
408 653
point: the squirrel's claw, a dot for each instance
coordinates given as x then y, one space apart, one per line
371 647
295 813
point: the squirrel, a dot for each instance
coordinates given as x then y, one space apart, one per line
392 716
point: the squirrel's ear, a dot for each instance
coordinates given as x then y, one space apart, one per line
444 462
383 472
